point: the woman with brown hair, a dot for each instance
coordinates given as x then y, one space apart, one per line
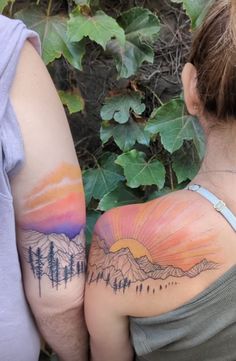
161 280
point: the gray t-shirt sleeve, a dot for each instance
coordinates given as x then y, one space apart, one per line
13 34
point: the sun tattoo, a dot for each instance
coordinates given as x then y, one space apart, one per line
157 241
53 227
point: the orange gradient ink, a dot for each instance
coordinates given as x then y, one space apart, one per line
166 231
57 204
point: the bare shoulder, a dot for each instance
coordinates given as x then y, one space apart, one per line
146 248
30 72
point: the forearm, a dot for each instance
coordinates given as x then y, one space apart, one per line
65 332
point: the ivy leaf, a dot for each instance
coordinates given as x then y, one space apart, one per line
196 10
54 39
126 135
100 28
73 101
174 127
119 107
102 179
91 219
166 190
3 4
186 163
141 28
139 172
157 194
121 196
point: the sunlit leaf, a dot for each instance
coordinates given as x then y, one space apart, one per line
119 107
100 28
140 172
141 28
195 9
125 135
3 4
174 127
102 179
121 196
73 101
54 39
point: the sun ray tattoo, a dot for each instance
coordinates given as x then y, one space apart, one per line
159 241
53 227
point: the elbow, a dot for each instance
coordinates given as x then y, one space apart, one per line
52 300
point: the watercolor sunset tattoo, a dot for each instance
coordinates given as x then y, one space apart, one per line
53 227
158 241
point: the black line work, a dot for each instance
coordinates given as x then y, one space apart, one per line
120 269
55 256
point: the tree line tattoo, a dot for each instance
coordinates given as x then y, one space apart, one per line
54 256
52 228
137 244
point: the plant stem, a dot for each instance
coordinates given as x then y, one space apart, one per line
49 8
11 8
171 178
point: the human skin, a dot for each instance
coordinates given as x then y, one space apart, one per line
50 211
149 259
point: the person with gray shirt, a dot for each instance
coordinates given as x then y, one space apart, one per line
163 273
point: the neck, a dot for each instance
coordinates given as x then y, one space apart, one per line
218 170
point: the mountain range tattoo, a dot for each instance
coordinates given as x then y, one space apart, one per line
54 256
163 240
120 269
52 228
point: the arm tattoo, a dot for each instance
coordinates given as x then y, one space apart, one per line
53 228
137 244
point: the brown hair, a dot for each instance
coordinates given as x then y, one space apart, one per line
214 56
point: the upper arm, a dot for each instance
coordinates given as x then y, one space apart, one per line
106 319
47 191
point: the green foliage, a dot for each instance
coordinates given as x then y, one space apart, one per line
126 135
73 100
52 31
139 172
185 163
99 28
121 196
102 179
3 4
91 219
119 107
141 30
174 127
82 2
195 10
